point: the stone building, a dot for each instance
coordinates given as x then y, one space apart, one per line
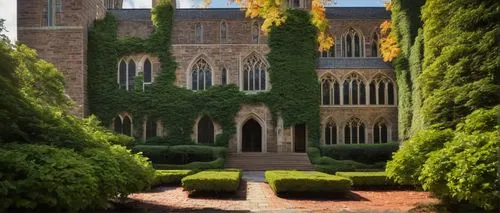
222 46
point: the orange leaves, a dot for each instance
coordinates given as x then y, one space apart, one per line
389 47
325 39
388 5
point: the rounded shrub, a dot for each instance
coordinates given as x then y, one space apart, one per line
407 163
41 176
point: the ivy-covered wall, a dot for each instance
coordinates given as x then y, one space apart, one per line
294 94
406 22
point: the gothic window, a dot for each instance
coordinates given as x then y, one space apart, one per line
205 131
295 4
254 74
255 32
380 132
354 90
131 75
381 91
223 32
201 75
51 12
223 76
148 74
122 74
198 33
123 125
151 129
352 44
375 44
330 133
330 91
354 132
59 6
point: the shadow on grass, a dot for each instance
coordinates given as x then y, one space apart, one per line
241 194
349 196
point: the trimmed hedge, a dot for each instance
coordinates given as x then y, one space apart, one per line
362 153
331 166
215 164
367 178
213 181
282 181
182 154
170 176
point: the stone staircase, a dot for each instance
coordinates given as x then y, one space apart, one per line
256 161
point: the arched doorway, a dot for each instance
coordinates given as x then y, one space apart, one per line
251 136
205 131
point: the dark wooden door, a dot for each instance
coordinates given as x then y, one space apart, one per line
251 137
300 138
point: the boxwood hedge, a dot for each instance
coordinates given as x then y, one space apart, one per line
170 176
213 181
362 153
181 154
282 181
367 178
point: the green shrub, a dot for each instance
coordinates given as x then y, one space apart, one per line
363 153
40 176
367 178
282 181
407 163
181 154
466 169
215 164
170 176
331 166
213 181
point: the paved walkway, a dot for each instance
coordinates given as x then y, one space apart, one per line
256 196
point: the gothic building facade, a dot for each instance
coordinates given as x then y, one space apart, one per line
222 46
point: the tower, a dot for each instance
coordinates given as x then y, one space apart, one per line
57 29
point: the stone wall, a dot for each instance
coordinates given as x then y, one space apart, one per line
65 44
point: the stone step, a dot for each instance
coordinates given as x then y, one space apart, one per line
265 161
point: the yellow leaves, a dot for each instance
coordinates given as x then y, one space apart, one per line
389 47
325 41
388 5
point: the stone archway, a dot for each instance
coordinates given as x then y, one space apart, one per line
251 136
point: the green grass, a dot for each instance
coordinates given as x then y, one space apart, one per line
213 181
282 181
170 176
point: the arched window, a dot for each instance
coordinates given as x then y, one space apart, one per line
148 74
254 73
255 32
223 76
295 4
354 90
380 132
122 74
223 32
123 125
330 91
375 44
330 133
198 33
205 130
131 75
352 44
151 129
201 75
354 132
381 91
